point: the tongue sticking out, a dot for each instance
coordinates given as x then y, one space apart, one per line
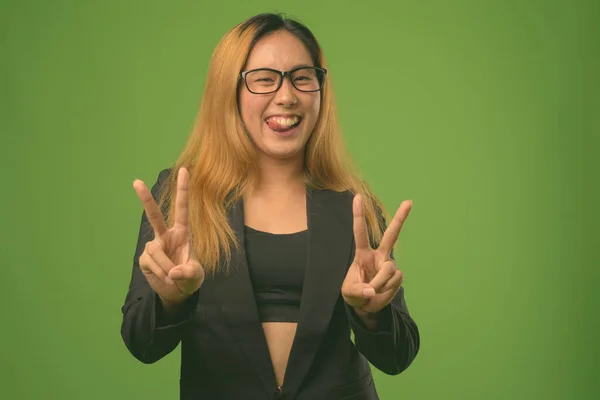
281 127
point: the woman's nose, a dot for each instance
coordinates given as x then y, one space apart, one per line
286 95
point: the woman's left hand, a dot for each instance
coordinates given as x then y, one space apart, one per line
373 279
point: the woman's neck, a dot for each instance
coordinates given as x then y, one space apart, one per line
280 175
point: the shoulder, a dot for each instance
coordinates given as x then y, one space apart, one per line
331 196
160 182
339 203
164 174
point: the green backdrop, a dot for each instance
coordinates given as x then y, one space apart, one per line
484 113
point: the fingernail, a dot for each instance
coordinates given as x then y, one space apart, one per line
368 292
168 280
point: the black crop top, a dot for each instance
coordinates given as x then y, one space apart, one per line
276 263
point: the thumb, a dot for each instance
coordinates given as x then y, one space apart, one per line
359 291
189 271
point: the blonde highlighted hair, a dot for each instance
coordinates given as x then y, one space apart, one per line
223 162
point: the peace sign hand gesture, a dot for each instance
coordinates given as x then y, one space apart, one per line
373 279
168 262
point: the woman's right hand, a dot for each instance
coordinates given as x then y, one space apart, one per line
168 262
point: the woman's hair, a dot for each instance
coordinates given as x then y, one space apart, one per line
223 161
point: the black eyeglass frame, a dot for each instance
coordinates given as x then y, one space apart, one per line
283 75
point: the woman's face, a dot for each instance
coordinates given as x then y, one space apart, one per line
268 117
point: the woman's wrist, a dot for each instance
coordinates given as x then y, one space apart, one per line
170 305
370 320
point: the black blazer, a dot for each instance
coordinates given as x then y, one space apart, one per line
224 354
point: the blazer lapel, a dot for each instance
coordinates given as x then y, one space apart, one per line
236 297
330 233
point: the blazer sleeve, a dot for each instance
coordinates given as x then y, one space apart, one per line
147 331
395 344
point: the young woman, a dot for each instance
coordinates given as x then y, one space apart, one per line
261 250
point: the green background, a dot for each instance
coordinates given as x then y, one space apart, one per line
484 113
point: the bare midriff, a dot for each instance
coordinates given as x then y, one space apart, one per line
280 336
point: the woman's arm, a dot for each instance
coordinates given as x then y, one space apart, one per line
389 339
150 328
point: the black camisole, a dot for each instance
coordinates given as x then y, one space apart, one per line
276 263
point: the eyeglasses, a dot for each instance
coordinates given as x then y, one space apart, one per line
267 80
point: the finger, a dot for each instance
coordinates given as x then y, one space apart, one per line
156 252
394 282
385 273
149 266
153 212
189 271
361 275
360 226
182 199
359 290
393 230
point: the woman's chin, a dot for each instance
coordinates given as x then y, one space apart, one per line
282 148
283 152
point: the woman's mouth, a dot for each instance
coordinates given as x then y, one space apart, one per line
281 125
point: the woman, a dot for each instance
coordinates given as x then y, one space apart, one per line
273 250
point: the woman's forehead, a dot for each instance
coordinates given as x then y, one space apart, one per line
279 50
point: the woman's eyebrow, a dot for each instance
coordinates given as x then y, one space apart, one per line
294 67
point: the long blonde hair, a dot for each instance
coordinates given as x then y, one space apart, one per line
223 161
